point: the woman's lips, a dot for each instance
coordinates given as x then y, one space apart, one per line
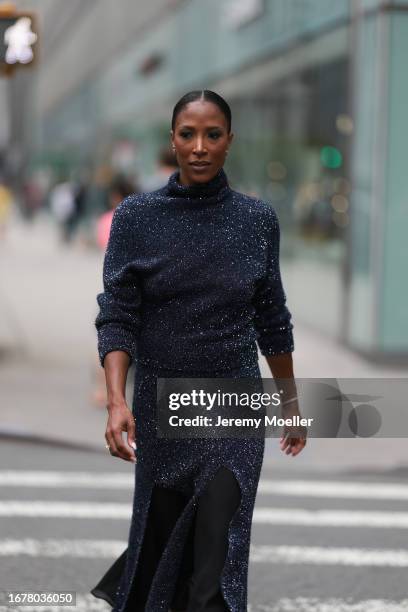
200 167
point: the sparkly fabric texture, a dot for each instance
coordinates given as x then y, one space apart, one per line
191 282
192 278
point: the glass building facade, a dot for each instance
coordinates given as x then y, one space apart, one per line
319 92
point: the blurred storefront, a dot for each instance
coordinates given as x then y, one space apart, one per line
319 93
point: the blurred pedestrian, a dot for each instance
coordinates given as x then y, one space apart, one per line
33 198
78 210
191 281
62 205
166 165
6 199
120 188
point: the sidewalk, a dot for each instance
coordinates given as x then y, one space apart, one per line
48 347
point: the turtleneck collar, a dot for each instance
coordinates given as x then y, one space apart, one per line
212 192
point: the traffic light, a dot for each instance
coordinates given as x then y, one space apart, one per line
18 38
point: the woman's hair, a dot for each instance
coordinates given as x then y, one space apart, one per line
202 94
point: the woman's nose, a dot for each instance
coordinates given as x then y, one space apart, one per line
199 145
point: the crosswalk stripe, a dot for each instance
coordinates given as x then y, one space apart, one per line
317 555
332 488
269 516
314 604
51 547
88 480
322 555
331 518
81 510
120 480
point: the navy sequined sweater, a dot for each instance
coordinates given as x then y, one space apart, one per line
191 278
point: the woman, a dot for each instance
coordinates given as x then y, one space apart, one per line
191 279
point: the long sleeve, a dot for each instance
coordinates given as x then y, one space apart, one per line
272 318
118 321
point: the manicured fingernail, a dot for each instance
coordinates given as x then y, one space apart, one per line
133 445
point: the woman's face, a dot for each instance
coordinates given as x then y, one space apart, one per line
201 141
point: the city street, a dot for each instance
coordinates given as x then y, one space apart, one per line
241 188
319 542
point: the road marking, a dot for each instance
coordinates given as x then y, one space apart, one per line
265 516
314 604
88 549
119 480
331 488
88 480
321 555
331 518
315 555
81 510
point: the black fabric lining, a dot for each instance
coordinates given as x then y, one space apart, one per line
206 547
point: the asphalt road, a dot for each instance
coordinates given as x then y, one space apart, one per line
320 542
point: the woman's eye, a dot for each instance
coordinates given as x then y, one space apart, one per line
214 135
185 134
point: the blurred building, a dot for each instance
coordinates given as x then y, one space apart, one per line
319 92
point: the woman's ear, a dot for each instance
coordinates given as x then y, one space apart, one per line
230 137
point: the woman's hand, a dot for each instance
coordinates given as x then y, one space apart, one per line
121 419
294 437
293 440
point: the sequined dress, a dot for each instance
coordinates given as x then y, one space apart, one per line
191 285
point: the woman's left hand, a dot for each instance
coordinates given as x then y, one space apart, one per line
293 440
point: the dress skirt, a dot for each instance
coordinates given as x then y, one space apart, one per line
178 484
